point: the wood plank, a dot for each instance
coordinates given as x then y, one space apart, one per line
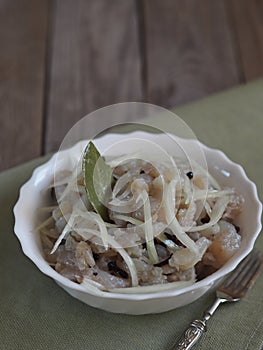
247 21
23 28
95 61
190 52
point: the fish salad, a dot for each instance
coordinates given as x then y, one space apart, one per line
145 228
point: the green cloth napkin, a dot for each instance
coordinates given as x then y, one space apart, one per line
35 313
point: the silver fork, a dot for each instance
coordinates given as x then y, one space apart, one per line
233 289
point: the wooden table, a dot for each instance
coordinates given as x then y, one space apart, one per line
61 59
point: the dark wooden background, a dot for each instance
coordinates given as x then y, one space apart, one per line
61 59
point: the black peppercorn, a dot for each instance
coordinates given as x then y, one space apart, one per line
96 256
190 175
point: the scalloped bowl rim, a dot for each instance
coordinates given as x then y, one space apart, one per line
211 279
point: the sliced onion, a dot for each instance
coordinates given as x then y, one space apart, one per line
173 224
47 209
129 219
45 223
92 285
210 194
215 216
188 190
122 182
148 227
123 159
153 288
128 260
116 203
66 230
126 193
208 209
96 218
71 184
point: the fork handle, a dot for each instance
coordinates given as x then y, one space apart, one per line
196 328
191 335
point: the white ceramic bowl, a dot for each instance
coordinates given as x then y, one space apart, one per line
33 196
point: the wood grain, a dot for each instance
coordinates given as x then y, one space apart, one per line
95 61
189 50
23 26
246 18
99 52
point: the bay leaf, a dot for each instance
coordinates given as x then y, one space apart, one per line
98 179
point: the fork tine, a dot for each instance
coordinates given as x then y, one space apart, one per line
249 263
239 270
250 279
244 273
